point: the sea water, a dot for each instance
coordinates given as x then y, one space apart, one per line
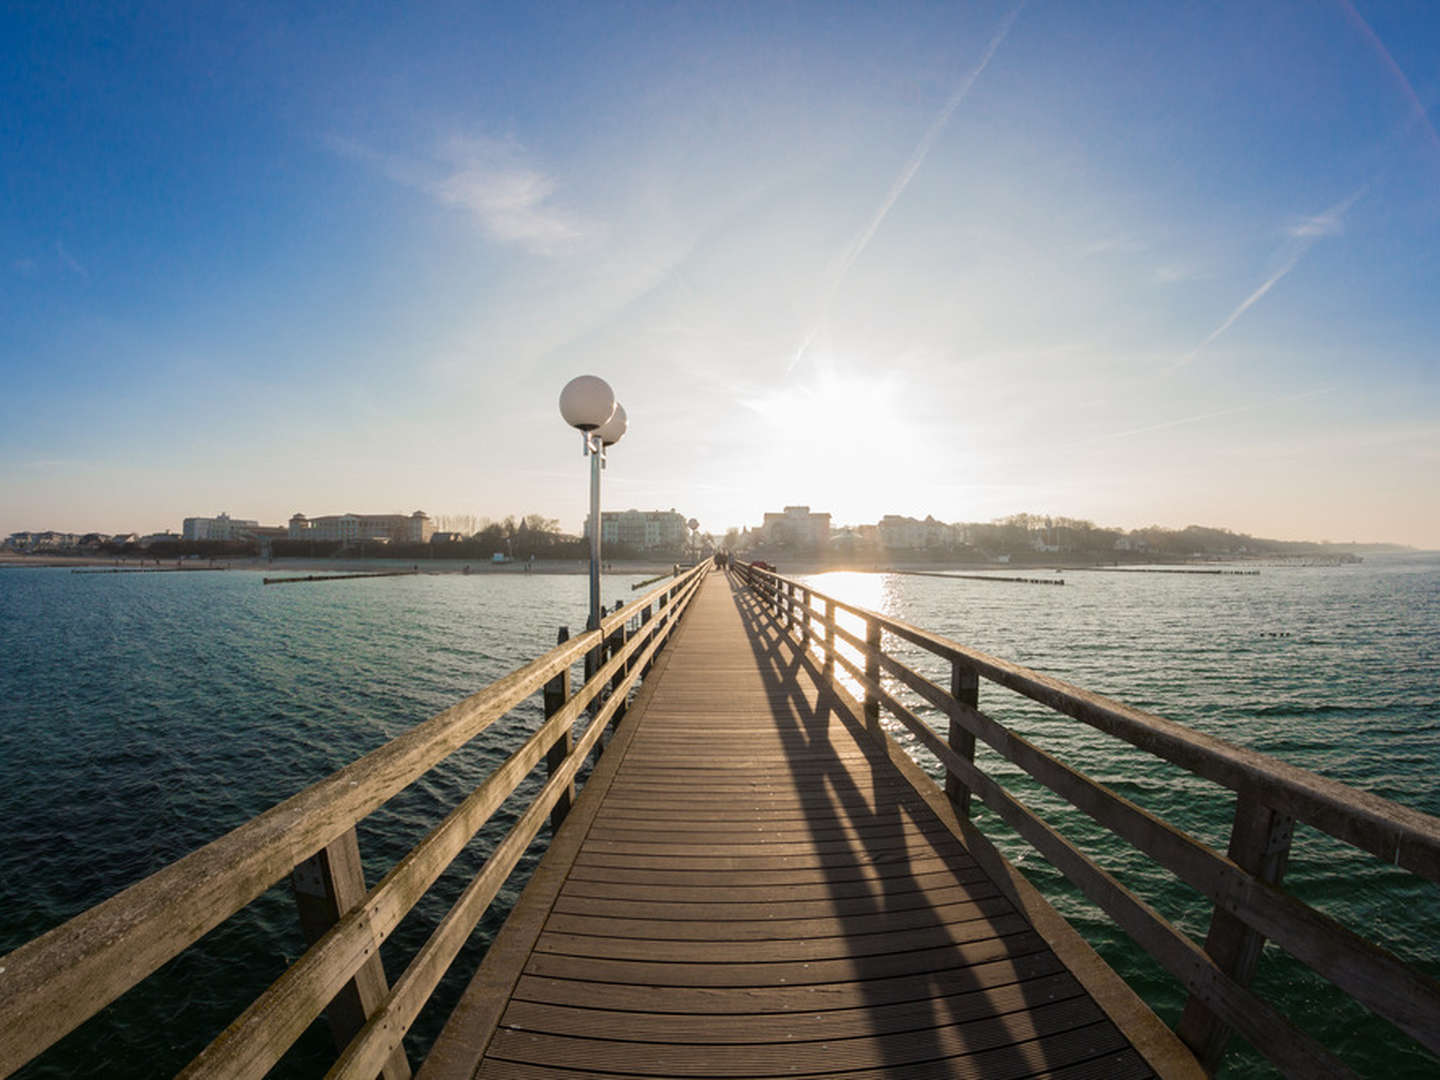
142 715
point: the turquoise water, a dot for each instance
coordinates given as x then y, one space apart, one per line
1333 669
142 715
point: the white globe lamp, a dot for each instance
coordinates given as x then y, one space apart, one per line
587 402
613 429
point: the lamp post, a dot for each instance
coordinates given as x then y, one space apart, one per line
588 403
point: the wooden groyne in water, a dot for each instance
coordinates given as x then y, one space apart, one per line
339 577
757 877
1167 570
979 577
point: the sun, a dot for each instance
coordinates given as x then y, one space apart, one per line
846 433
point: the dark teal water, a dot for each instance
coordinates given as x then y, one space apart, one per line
1333 669
144 715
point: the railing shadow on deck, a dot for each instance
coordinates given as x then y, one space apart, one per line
948 984
1244 884
52 984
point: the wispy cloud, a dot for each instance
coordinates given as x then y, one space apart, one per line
1302 237
1329 223
1173 273
68 261
1197 418
491 181
1114 245
907 173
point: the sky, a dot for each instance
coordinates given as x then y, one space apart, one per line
1136 263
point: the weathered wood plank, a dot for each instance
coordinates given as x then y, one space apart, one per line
907 986
949 1058
839 1054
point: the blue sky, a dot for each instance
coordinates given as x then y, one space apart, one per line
1136 263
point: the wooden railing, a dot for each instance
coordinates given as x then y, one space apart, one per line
52 984
1244 885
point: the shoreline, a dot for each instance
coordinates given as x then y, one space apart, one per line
289 564
645 567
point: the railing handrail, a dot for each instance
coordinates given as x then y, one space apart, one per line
54 982
1244 886
1391 831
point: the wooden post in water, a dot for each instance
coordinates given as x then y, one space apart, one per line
327 885
964 688
1259 844
557 693
872 670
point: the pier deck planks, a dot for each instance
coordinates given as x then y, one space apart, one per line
749 887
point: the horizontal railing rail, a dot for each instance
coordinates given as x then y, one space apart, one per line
1244 885
55 982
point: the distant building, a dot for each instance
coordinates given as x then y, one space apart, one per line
220 527
641 530
796 526
910 534
352 528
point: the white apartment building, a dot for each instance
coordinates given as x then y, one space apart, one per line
220 527
352 528
910 534
641 530
796 526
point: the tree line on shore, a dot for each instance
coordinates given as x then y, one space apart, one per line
1020 537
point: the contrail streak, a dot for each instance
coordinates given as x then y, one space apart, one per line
1373 38
912 166
1305 235
1245 305
1236 410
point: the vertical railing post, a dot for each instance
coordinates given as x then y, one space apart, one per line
829 637
617 681
327 885
1260 845
872 670
965 689
593 657
557 693
789 590
806 618
645 617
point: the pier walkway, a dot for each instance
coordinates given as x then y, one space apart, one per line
749 885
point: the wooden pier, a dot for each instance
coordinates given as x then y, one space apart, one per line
756 879
751 886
